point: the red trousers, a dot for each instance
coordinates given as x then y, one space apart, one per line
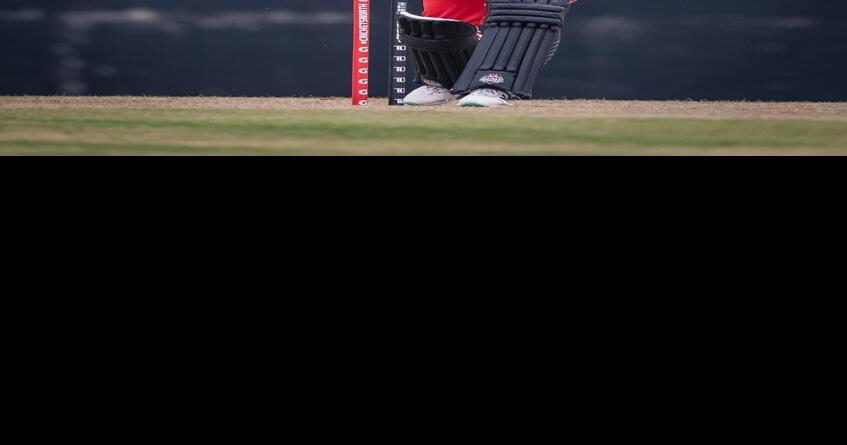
471 11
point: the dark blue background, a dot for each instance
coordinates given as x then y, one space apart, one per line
617 49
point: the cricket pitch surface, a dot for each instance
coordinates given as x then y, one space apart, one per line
311 126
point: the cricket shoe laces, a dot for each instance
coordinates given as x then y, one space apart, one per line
486 97
429 95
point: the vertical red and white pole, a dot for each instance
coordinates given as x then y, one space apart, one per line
361 50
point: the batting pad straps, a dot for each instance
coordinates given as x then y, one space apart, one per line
518 40
440 48
530 13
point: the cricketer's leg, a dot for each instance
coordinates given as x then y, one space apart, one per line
441 42
468 11
519 39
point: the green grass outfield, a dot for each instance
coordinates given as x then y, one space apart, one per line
253 126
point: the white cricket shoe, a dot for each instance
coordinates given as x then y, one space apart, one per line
428 95
485 97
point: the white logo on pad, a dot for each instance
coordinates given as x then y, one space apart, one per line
492 79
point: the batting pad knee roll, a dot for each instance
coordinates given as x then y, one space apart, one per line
440 48
518 40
